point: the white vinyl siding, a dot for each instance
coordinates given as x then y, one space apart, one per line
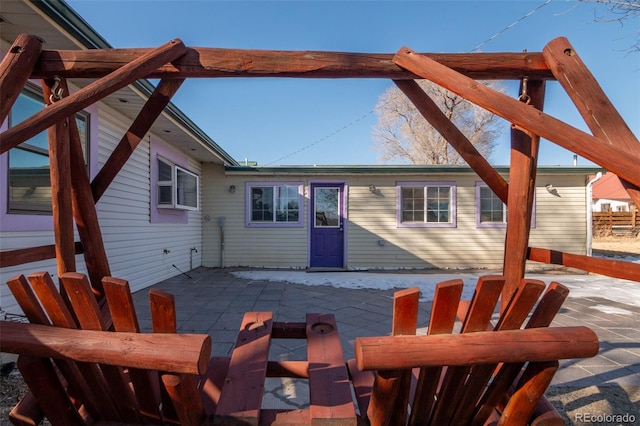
134 246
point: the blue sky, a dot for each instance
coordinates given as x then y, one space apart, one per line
323 121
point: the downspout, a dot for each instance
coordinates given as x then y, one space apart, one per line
590 211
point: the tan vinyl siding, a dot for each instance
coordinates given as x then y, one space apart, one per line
247 246
374 239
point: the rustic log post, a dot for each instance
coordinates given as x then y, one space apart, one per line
84 211
15 69
544 125
604 121
522 189
430 111
137 69
60 173
141 125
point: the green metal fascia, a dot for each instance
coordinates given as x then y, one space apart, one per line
70 21
396 169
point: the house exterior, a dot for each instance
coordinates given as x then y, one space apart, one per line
377 217
146 239
610 196
223 214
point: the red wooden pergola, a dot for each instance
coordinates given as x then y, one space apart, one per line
611 143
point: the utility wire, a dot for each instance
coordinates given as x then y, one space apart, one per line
513 24
346 126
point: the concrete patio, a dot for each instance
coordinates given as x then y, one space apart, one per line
213 301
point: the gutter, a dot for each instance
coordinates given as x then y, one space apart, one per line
64 16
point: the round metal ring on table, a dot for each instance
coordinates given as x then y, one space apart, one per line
322 328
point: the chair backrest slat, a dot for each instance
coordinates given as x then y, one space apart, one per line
123 315
542 316
391 390
78 387
443 316
89 316
181 400
73 383
483 304
466 378
60 315
516 312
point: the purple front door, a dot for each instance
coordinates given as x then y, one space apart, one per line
327 226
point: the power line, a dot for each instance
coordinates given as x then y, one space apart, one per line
513 24
346 126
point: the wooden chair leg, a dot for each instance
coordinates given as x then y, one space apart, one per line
41 377
530 389
27 412
184 394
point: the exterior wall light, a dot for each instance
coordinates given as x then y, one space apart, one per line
372 189
232 189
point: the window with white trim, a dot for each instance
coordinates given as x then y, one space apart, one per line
274 204
426 204
29 190
177 187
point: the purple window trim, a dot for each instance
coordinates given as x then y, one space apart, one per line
453 201
41 221
165 215
497 224
247 214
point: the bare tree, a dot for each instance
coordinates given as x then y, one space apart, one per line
403 134
621 11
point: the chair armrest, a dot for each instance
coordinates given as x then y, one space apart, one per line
175 353
485 347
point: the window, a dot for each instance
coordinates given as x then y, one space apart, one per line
178 188
491 209
426 204
274 204
29 189
491 212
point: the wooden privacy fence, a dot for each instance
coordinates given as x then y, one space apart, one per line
615 223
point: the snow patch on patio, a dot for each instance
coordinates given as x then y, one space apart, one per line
581 286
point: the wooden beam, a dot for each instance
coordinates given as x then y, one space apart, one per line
609 267
603 119
127 74
430 110
522 189
482 347
179 353
141 125
203 62
60 173
32 254
84 211
15 69
622 163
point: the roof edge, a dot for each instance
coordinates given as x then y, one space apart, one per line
390 169
77 27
